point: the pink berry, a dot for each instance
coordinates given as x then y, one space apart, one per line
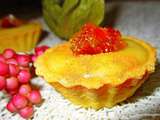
25 68
12 61
40 50
12 92
2 82
19 101
23 60
33 58
39 53
24 76
9 53
4 69
26 112
25 89
12 83
10 107
35 97
2 59
13 69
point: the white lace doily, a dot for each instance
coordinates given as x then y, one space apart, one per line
144 105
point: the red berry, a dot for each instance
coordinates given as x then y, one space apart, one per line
12 92
10 107
2 82
12 61
40 50
23 60
26 112
2 59
33 58
9 53
35 97
12 83
4 69
92 40
25 89
24 76
13 69
25 68
19 101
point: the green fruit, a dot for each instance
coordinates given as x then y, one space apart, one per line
65 17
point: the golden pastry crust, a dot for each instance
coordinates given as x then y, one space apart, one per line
59 64
22 38
105 96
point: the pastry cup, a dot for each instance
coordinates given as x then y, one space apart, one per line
105 96
21 39
100 80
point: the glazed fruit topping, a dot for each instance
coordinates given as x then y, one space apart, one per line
16 72
93 40
11 21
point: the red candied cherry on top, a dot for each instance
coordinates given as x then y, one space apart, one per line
10 21
93 40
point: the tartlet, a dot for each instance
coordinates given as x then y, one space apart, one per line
21 38
97 80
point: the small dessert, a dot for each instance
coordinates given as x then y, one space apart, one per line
17 34
98 67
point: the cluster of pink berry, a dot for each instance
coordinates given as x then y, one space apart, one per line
15 76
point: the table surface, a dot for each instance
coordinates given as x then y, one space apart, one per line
140 19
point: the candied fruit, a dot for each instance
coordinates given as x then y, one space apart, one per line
93 40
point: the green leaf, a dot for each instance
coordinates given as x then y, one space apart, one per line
67 18
97 15
69 5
